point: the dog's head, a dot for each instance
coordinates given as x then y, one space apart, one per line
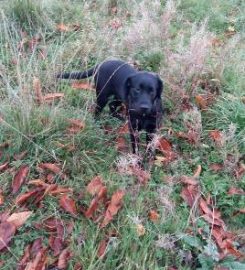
143 93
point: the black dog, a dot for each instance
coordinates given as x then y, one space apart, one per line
139 91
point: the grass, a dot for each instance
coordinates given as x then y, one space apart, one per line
179 44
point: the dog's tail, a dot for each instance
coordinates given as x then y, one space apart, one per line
77 75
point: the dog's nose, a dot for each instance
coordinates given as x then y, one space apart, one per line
144 109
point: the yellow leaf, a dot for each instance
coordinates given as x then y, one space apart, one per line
18 219
140 229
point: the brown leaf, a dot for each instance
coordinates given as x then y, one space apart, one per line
211 215
7 231
64 258
189 180
22 198
60 190
54 168
76 125
216 135
100 197
236 191
18 219
153 216
25 258
197 171
4 166
36 247
51 224
68 204
82 86
113 208
95 185
62 27
201 101
216 167
19 178
121 145
1 199
37 90
20 156
142 176
164 145
240 170
123 129
5 144
140 229
38 183
49 98
190 194
102 247
39 262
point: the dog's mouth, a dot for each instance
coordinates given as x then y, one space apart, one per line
139 112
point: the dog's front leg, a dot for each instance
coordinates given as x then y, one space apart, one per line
134 136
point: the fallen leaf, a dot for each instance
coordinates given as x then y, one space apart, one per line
121 145
51 167
201 101
102 247
240 170
197 171
37 90
216 167
113 207
123 129
76 125
7 231
38 183
1 199
216 135
190 194
25 258
39 262
4 166
100 197
20 155
68 204
19 178
5 144
62 27
140 229
82 86
142 175
60 190
51 224
164 145
22 198
236 191
189 180
64 258
52 96
153 216
18 219
36 246
95 185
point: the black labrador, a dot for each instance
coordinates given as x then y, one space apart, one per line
140 91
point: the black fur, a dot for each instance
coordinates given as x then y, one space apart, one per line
140 91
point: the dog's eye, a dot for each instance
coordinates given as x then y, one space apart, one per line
137 90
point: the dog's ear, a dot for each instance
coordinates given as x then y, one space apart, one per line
159 87
127 86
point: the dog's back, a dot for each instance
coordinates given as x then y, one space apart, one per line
110 77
